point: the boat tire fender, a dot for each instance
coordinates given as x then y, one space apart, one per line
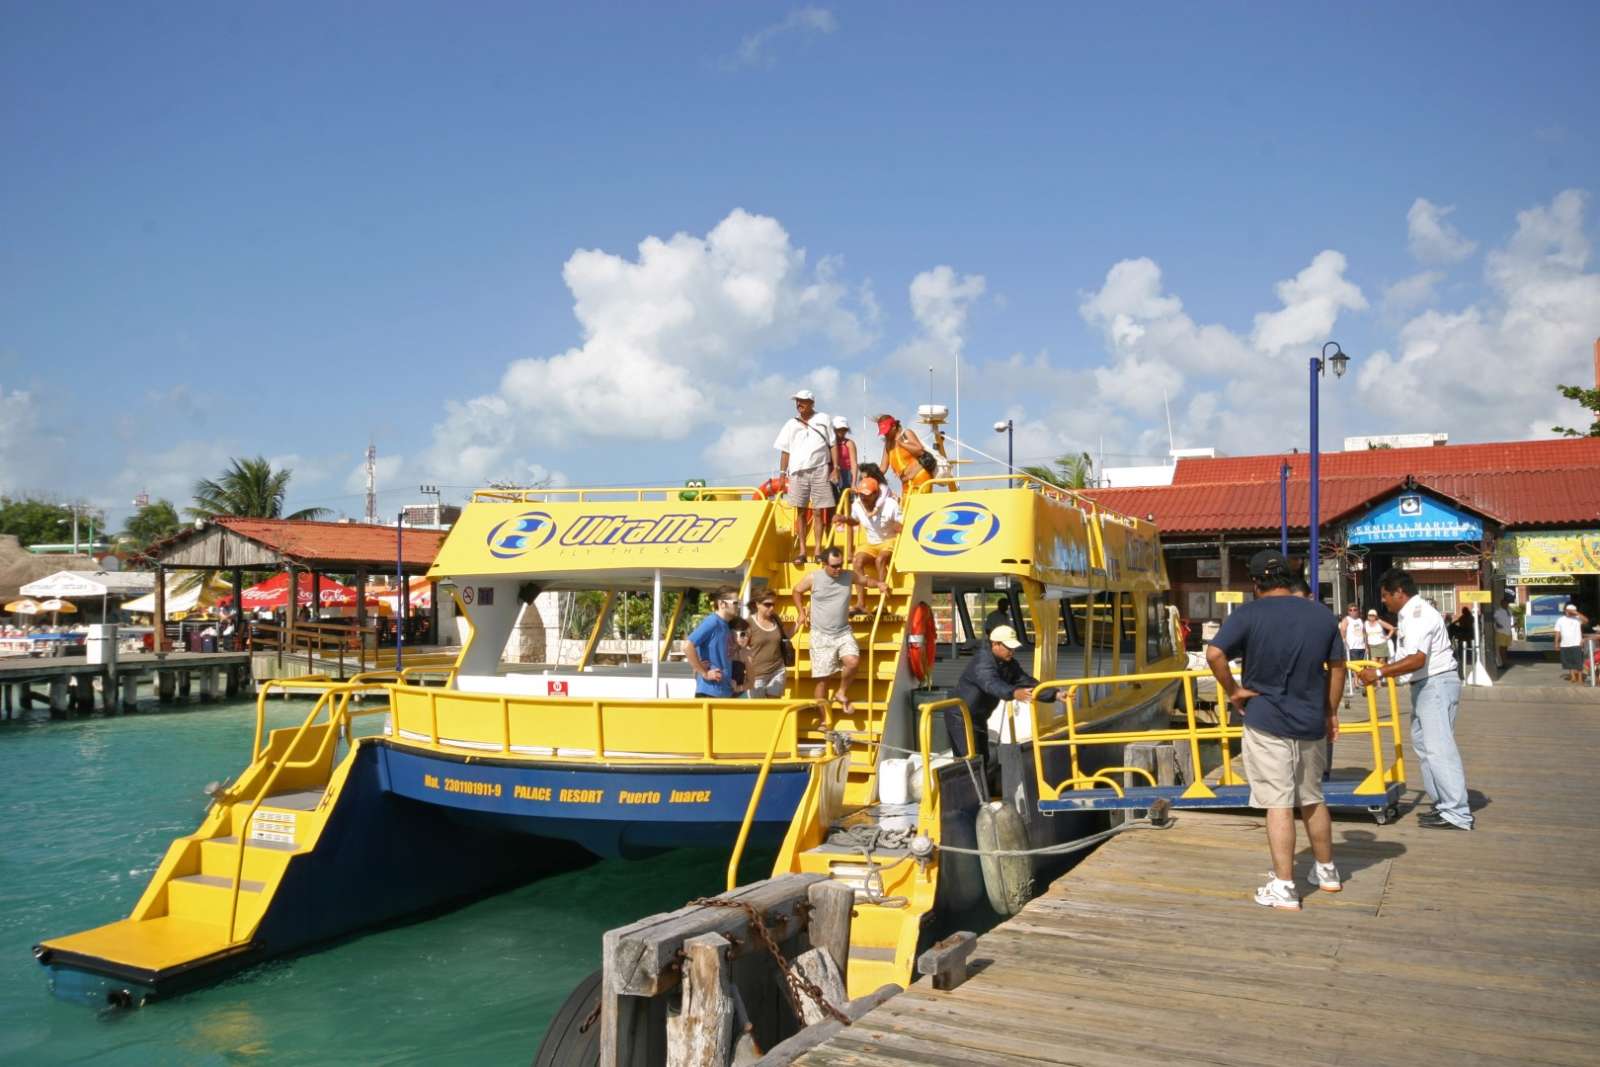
569 1041
1007 880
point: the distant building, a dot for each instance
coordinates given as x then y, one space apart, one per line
1395 440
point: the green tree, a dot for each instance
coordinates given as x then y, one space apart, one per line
248 488
1590 399
1071 471
150 524
38 522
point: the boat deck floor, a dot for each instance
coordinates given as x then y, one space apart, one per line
1443 947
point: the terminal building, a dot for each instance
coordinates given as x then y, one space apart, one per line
1520 518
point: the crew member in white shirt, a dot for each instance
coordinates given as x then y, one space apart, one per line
878 515
1422 656
1569 639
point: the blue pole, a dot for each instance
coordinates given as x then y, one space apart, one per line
1311 565
401 590
1283 509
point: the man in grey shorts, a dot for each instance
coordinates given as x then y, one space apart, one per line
806 449
1290 702
833 647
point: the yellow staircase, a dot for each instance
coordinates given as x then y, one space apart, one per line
190 915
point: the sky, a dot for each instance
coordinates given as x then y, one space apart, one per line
602 244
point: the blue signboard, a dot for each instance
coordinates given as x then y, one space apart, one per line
1414 517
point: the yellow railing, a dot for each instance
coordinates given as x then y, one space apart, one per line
335 699
577 731
1192 734
761 784
637 494
925 742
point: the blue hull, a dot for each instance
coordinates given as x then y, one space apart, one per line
624 812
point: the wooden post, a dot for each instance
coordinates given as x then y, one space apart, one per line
231 681
1167 763
83 692
290 610
818 966
160 644
208 685
832 906
361 619
166 686
700 1034
316 596
239 624
185 685
130 691
946 961
58 695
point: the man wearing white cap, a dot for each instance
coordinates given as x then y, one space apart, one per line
805 444
993 675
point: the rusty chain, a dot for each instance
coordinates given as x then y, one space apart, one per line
795 984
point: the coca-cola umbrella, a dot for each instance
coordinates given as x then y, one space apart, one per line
273 594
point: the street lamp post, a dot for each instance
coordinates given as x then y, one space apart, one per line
1318 366
1006 428
1283 510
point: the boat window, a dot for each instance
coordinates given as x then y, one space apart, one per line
1157 634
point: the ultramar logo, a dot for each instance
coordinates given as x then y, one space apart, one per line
596 531
532 530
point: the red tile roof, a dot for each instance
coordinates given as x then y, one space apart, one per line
337 542
1562 453
1514 498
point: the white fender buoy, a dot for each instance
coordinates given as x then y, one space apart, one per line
1007 880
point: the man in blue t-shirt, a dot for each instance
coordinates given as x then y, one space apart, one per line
1293 683
709 647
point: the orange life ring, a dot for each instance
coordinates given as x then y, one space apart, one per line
922 641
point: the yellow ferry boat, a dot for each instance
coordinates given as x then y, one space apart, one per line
481 777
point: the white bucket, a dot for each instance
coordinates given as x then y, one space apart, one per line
894 781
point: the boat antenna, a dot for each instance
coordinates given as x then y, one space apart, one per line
1172 444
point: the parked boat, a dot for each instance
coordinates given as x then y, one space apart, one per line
482 777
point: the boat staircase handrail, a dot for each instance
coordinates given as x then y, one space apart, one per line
616 494
1071 735
596 752
337 695
769 521
761 784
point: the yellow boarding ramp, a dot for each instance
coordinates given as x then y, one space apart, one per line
1197 746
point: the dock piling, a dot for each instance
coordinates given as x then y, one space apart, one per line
166 686
58 696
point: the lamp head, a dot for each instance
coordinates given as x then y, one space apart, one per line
1002 426
1339 360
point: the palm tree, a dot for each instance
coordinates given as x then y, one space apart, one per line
1072 471
249 488
149 524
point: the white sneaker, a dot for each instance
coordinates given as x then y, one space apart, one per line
1325 876
1278 894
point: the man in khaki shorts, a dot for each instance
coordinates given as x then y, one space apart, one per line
1294 677
833 645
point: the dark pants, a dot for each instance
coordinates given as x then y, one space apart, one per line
958 733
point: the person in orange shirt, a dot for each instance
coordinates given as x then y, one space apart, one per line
902 453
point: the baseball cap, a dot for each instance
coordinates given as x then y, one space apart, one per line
1006 636
804 394
1267 561
885 423
841 423
1372 613
1572 608
868 486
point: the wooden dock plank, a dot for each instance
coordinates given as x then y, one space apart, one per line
1443 946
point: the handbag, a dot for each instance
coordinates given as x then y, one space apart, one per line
786 648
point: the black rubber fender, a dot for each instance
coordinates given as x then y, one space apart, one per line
567 1043
1007 880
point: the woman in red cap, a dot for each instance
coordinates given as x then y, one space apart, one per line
902 453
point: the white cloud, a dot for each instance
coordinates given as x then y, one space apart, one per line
1412 292
673 334
1489 370
1312 301
755 49
941 302
1432 239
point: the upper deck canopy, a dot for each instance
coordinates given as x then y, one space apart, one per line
620 538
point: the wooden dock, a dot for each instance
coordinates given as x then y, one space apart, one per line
72 684
1444 947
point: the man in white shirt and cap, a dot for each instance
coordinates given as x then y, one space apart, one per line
1423 657
805 446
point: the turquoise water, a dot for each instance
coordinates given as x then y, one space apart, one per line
88 807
